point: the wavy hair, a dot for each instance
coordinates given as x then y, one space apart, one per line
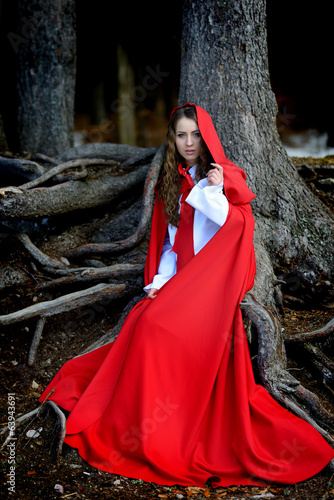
169 187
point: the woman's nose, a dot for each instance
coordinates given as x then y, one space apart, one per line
189 139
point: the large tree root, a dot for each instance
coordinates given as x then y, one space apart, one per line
134 239
44 260
70 196
22 168
105 150
99 190
271 362
88 274
55 171
319 334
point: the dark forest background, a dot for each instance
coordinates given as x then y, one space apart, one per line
149 33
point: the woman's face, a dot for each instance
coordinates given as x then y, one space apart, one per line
188 140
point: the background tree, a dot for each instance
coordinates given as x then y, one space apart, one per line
3 142
46 49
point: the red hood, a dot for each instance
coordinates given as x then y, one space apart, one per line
236 189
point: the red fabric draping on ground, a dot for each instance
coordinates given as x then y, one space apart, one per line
173 400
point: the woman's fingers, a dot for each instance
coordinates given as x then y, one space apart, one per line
215 175
152 293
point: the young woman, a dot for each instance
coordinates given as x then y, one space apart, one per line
173 400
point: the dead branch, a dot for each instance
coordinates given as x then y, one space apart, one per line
319 334
70 196
135 238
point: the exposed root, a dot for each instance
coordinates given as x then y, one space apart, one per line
89 274
36 340
100 293
323 365
43 259
66 166
312 402
319 334
272 369
62 421
292 406
136 237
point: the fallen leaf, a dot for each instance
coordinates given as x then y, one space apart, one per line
195 489
31 472
162 496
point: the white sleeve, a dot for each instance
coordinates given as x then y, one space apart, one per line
210 201
167 266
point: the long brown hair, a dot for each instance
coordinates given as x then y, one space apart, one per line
169 187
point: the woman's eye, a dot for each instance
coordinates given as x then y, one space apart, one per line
180 135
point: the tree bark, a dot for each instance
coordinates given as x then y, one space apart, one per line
46 75
226 42
70 196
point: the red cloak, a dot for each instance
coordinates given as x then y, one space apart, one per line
173 400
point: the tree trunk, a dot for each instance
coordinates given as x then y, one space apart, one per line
46 75
125 103
224 69
226 42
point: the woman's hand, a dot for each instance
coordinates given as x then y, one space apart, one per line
215 175
152 293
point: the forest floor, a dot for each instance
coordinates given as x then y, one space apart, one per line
37 474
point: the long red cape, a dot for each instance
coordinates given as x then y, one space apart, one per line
173 400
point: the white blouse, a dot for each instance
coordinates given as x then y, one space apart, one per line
211 209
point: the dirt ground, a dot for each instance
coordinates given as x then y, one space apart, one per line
36 473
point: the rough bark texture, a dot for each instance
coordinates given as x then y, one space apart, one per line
46 76
69 196
226 42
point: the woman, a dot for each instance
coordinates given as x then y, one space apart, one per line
173 400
